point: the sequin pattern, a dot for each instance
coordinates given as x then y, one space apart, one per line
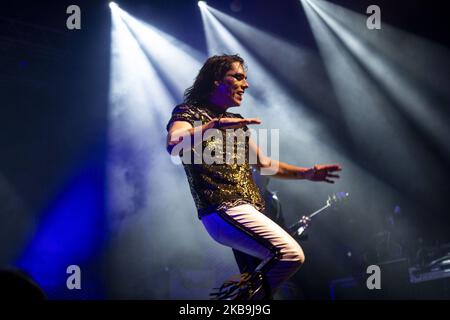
218 186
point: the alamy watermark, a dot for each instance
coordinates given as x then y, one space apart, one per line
374 20
74 280
374 280
74 20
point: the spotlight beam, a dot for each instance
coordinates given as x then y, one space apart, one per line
372 117
299 66
175 61
414 103
142 180
298 125
113 5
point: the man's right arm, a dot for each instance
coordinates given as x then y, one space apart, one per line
180 130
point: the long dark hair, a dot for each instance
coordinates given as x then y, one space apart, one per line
214 69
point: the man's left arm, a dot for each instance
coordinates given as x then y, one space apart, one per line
278 169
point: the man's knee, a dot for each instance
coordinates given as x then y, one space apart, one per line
294 253
300 256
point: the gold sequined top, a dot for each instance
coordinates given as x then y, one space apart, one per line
227 181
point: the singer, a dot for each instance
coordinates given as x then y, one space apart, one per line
228 201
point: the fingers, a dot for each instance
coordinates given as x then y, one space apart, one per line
235 123
328 177
329 167
252 121
333 167
326 171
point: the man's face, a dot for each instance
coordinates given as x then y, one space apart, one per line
230 89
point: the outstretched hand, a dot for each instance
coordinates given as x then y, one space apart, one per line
235 123
323 173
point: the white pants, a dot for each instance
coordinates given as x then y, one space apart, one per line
246 229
